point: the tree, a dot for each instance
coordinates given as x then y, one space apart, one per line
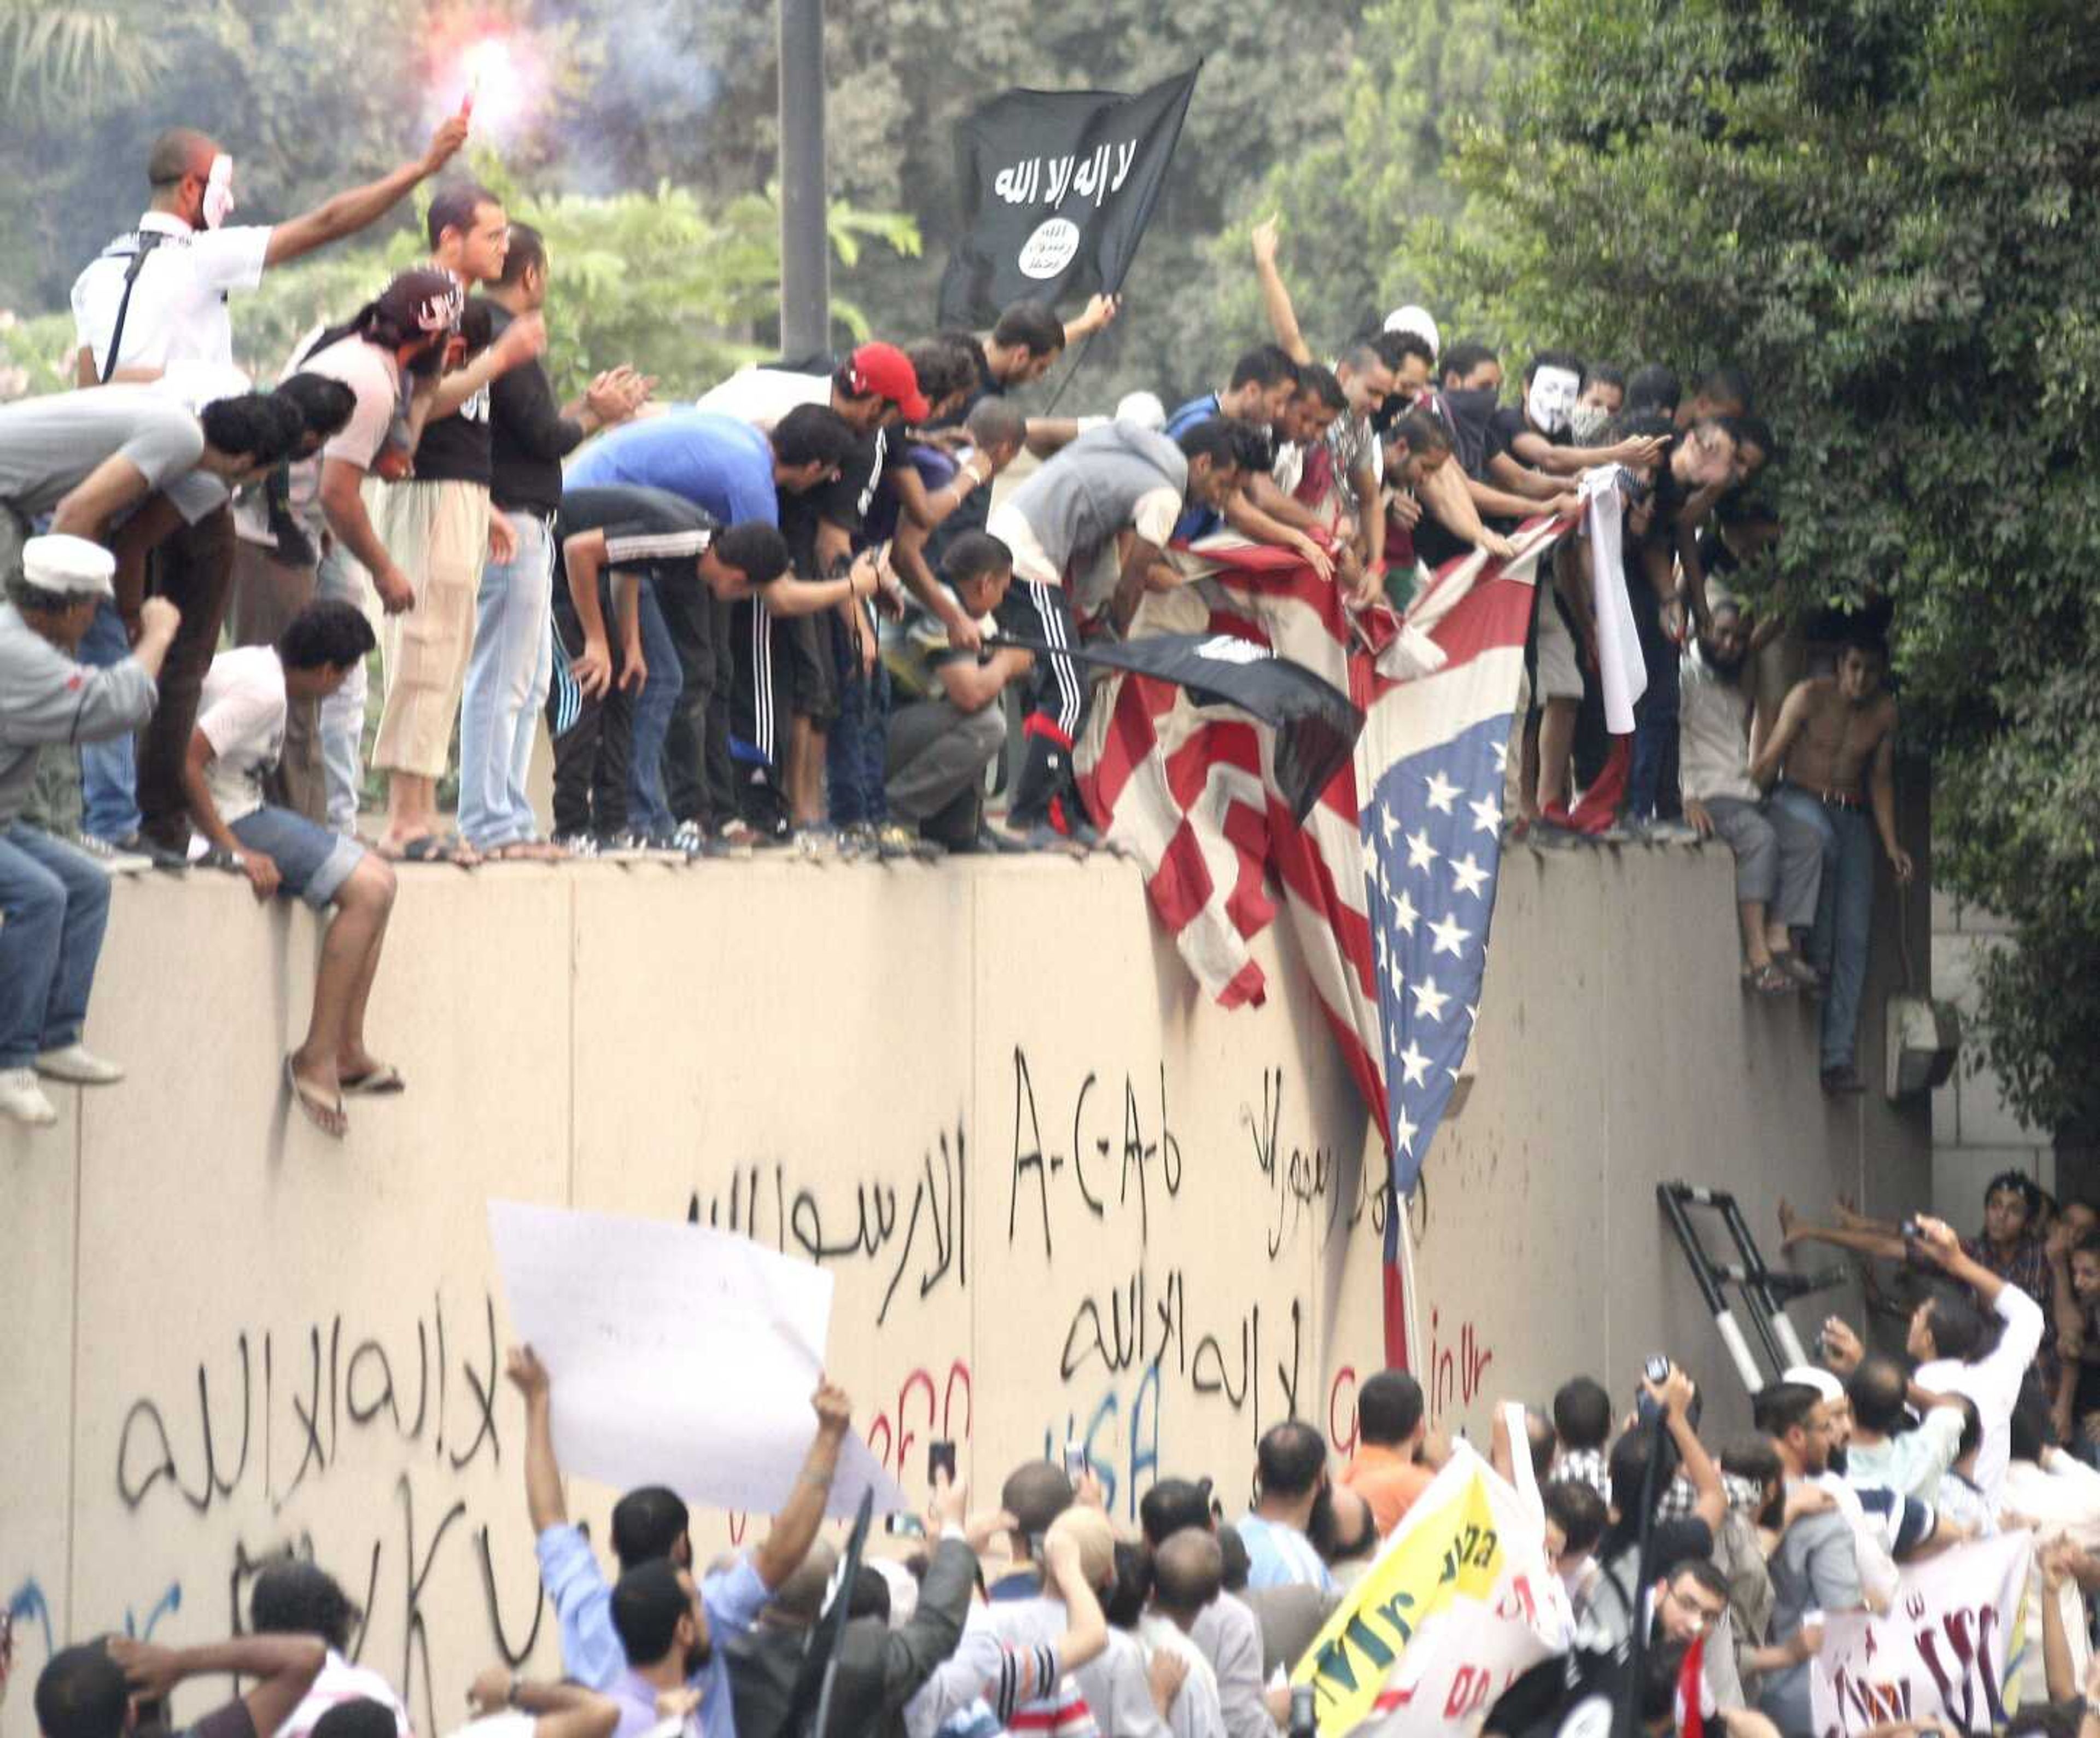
1351 200
1883 210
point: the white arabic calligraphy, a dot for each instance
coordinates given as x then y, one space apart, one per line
1101 172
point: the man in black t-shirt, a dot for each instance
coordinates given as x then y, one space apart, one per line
624 550
530 433
115 1685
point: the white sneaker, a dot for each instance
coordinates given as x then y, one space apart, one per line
21 1098
113 859
78 1065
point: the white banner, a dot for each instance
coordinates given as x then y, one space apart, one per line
679 1356
1941 1651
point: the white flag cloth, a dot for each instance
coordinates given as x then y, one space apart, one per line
1619 666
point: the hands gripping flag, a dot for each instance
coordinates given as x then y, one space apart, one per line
1390 879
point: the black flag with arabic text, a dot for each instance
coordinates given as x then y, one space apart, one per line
1057 186
1316 724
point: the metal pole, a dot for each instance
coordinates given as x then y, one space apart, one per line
805 283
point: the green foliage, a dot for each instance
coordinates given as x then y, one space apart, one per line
1352 198
81 58
1883 210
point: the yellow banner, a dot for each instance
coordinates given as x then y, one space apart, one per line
1452 1551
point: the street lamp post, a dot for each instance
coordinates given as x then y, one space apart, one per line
805 286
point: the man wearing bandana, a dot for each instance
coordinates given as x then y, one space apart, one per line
158 297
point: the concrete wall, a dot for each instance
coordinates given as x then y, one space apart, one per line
1062 1199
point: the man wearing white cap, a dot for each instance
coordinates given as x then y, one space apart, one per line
54 900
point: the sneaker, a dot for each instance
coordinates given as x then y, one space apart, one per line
689 837
1671 832
858 842
1842 1080
22 1099
78 1065
622 846
138 844
817 844
578 845
112 859
894 842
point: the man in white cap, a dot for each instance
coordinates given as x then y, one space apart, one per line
54 899
1417 320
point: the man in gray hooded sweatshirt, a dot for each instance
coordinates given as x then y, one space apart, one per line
1117 486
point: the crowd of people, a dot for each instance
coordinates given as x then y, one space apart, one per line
1040 1614
790 613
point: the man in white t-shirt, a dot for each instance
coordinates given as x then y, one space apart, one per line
157 296
1778 871
392 341
239 735
296 1598
1188 1573
1947 1334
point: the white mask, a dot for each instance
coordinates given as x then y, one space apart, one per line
1550 398
219 192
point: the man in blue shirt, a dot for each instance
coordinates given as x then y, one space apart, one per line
1262 383
650 1527
735 473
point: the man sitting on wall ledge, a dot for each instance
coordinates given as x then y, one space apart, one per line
239 736
54 898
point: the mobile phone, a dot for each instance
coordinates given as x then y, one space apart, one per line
940 1458
909 1526
1075 1461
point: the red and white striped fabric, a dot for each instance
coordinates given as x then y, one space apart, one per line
1190 790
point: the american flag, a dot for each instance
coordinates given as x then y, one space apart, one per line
1190 791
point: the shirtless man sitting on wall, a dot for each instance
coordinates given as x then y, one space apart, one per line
1833 753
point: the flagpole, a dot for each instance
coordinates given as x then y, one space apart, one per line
806 288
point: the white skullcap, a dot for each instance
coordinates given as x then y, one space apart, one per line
1821 1380
69 565
1144 408
1417 320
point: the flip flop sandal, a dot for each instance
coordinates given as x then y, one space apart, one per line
1795 966
328 1118
383 1082
430 848
1769 980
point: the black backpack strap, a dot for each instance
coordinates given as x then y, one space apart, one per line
148 240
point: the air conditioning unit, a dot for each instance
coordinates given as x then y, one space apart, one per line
1924 1038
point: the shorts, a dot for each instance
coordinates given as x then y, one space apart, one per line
314 860
438 535
1560 671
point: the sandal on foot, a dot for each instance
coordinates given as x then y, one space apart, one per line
1795 966
1768 979
381 1082
328 1118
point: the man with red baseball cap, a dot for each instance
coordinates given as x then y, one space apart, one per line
787 673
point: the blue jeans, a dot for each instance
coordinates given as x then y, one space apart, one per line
108 770
506 684
857 752
54 907
1844 911
648 810
342 712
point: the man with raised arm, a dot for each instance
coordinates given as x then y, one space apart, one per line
649 1525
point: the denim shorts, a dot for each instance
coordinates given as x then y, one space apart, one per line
314 862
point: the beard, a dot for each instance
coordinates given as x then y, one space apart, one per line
1835 1462
1721 665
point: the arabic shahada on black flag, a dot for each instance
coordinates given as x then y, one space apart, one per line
1057 186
